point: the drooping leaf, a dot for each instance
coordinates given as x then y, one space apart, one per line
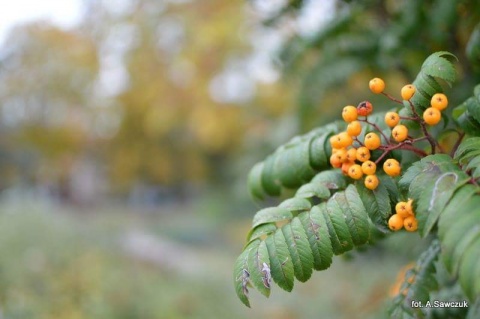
296 204
271 214
318 237
280 261
241 273
376 203
299 249
259 268
260 231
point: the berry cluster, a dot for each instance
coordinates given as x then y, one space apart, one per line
404 217
353 155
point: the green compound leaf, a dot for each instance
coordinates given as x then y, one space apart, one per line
259 268
436 66
260 231
433 186
334 215
294 163
241 273
296 204
280 261
271 214
299 249
255 181
419 281
352 206
376 203
318 238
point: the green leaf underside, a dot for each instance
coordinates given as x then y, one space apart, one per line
257 257
268 177
299 249
271 214
260 231
296 204
280 261
311 190
355 213
241 275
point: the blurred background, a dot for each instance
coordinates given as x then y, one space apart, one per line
127 129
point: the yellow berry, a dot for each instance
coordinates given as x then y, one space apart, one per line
376 85
355 171
392 119
407 92
363 154
345 139
395 222
371 182
369 167
335 141
354 128
410 223
352 154
432 116
341 154
392 167
335 161
400 133
403 210
439 101
346 166
372 141
349 113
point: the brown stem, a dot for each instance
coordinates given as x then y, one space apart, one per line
457 143
375 126
392 98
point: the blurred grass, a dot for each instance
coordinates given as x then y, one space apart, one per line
56 263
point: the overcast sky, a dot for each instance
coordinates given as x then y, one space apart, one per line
61 12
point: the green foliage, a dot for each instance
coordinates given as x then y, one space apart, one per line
331 214
435 67
417 284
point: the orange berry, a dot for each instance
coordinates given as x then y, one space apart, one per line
392 167
352 154
364 108
354 128
335 161
407 91
372 141
376 85
392 119
363 154
355 171
400 133
410 223
432 116
369 167
403 210
371 182
395 222
345 139
346 166
335 141
341 154
439 101
349 113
